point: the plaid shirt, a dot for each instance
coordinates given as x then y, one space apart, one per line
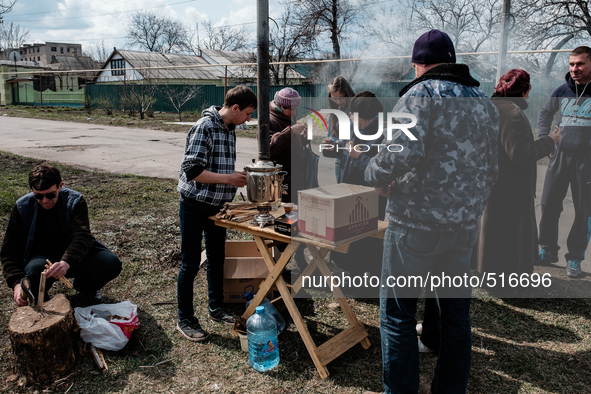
211 145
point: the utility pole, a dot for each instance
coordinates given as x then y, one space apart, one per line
502 58
1 33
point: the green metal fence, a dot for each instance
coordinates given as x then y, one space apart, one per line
214 95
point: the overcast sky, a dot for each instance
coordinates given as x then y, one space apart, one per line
88 21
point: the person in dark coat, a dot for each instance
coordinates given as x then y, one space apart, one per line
51 223
364 256
507 240
339 95
287 141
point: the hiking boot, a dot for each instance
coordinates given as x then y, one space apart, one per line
573 268
547 257
222 316
191 329
423 348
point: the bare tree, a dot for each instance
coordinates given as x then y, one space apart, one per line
179 95
6 6
287 43
388 29
147 30
224 37
551 24
12 35
470 23
332 18
140 96
98 51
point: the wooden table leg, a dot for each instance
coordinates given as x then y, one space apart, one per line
318 257
275 278
275 270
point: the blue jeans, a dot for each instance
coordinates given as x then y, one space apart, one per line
196 225
412 252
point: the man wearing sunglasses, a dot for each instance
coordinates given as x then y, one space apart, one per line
51 223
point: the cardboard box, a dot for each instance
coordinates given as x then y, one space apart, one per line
244 270
338 213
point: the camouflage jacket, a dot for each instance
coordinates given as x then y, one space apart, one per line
444 177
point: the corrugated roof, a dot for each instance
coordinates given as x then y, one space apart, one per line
233 57
75 62
154 59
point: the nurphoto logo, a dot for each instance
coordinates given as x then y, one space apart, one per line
345 129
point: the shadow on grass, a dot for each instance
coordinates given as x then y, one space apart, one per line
513 351
516 367
501 321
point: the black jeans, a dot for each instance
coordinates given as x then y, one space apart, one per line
98 268
563 170
196 225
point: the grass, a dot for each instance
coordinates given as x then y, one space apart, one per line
118 118
519 346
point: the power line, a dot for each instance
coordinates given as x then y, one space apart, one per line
113 13
69 9
277 63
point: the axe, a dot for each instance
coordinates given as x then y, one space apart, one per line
26 291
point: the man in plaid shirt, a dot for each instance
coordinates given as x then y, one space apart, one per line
207 180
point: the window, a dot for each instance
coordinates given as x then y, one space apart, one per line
61 49
116 65
37 50
68 49
53 49
38 58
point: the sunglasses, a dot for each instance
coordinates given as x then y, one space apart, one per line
50 196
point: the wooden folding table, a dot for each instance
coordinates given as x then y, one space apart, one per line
340 343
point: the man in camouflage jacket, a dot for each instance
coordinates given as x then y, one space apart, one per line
437 186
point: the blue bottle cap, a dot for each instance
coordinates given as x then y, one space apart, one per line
260 309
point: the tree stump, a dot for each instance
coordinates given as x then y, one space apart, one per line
42 340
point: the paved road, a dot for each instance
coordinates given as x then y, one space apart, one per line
114 149
152 153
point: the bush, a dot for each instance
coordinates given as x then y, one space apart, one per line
105 103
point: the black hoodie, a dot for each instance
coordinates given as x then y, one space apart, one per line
574 103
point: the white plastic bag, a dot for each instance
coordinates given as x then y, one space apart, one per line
107 334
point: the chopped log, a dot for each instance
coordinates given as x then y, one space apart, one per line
42 341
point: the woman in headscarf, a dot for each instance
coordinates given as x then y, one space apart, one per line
507 240
287 141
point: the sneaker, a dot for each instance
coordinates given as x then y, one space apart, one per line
419 329
423 348
191 329
426 389
573 268
547 257
222 316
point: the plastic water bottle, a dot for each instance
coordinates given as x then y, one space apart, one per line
270 309
263 348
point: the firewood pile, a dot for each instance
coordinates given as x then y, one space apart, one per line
239 211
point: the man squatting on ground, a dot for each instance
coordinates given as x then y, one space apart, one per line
207 181
437 187
569 164
51 223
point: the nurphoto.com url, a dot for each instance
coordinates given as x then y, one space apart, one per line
432 282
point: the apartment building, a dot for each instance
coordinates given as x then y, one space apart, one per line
46 53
